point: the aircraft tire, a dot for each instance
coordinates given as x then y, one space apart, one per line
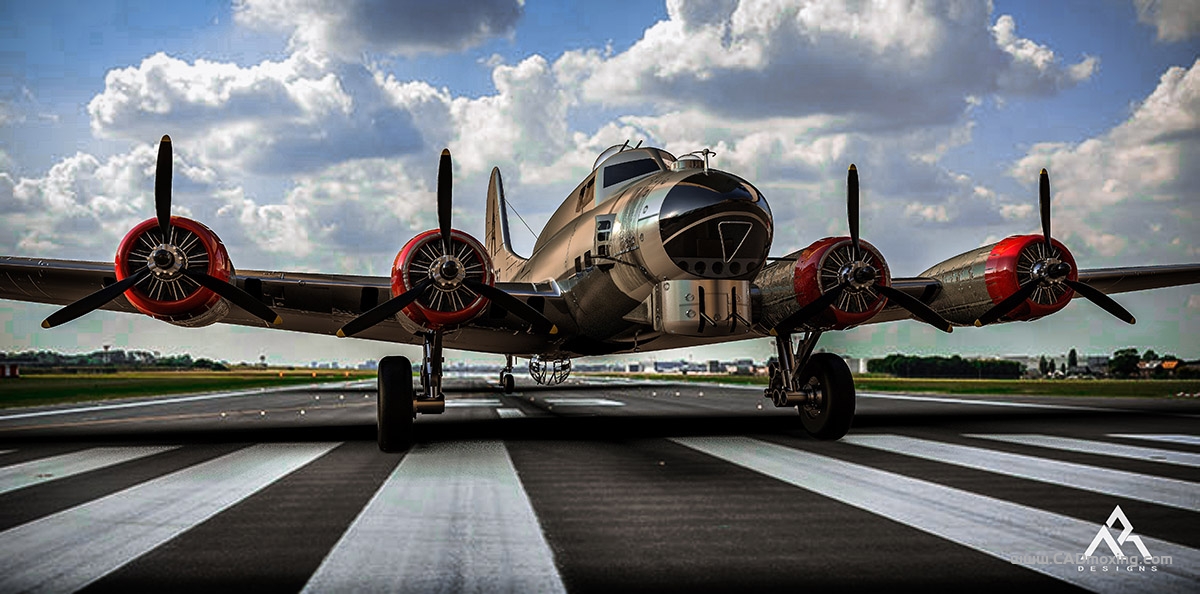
831 419
395 404
508 382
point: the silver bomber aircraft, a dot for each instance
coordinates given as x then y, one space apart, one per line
649 252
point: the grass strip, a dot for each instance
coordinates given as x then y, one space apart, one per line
37 390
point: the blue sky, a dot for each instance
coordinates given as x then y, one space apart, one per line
310 136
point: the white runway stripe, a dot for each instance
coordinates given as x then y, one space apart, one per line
1143 487
2 452
1099 448
71 549
19 476
584 402
452 517
473 403
1193 440
510 413
993 526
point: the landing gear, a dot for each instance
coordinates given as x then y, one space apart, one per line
395 404
819 386
398 404
828 408
507 382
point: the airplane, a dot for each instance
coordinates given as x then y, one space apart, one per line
649 252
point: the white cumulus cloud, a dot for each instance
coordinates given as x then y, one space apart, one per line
1175 20
884 63
1130 192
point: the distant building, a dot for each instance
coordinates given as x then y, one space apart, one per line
1097 364
10 370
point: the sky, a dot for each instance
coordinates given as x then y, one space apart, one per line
306 134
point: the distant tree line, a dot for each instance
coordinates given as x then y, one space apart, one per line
945 367
113 359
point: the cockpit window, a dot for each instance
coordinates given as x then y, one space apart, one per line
620 172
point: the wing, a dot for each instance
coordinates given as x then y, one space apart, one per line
1107 280
309 303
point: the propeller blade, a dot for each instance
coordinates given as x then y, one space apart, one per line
808 311
445 183
1099 298
162 187
1044 203
852 205
540 324
1004 307
95 300
234 295
916 307
384 310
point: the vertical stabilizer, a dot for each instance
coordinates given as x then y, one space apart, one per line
496 238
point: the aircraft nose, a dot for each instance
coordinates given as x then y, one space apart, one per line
716 225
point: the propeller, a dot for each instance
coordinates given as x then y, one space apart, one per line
449 273
861 274
162 259
1049 271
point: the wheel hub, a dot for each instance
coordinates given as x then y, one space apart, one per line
814 399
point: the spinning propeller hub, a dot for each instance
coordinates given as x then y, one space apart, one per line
166 260
447 272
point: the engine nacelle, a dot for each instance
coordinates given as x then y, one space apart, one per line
975 281
167 295
446 302
787 286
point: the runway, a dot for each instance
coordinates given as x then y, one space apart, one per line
599 486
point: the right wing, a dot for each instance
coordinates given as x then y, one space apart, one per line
312 303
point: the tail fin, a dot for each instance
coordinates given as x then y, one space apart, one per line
496 237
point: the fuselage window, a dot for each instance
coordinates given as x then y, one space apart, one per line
586 195
619 172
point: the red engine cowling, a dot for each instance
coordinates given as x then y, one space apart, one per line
1009 265
446 302
818 269
171 297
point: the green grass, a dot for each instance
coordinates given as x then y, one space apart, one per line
32 390
874 383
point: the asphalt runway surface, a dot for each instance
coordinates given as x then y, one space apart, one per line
605 486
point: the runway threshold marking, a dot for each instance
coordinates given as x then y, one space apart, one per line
26 474
68 550
1118 483
451 517
1098 448
510 413
992 526
1165 438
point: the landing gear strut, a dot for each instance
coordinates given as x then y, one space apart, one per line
819 386
507 383
398 404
